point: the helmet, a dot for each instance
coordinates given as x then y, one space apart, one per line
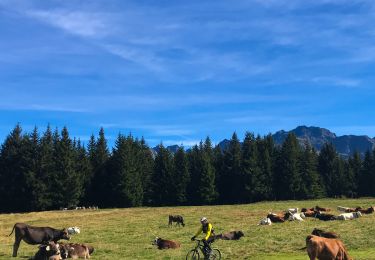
204 219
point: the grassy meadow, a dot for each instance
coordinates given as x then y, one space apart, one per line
127 233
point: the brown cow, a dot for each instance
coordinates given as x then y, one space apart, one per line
36 235
322 233
276 218
75 251
49 251
317 208
325 248
233 235
165 244
370 210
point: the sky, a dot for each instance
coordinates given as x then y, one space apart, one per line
178 71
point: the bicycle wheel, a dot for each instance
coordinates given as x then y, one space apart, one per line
215 254
192 255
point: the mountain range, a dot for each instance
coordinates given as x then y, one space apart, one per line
316 136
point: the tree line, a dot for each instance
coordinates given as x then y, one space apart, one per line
50 170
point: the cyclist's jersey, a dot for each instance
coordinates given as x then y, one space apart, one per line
207 229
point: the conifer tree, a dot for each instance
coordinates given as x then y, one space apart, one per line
288 177
326 167
99 155
265 150
181 176
125 176
15 179
355 164
231 178
311 186
366 176
146 164
162 185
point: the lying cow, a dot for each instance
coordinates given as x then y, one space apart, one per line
310 213
265 221
370 210
165 244
294 216
322 233
36 235
305 209
49 251
349 216
276 218
177 218
317 208
233 235
325 248
75 251
324 217
73 230
292 210
342 209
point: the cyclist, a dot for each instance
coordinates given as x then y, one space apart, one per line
207 229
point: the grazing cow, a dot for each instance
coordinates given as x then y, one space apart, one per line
75 251
233 235
177 218
324 217
265 221
276 218
370 210
36 235
317 208
349 216
49 251
73 230
165 244
322 233
325 248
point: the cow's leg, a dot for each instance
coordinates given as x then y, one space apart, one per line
16 245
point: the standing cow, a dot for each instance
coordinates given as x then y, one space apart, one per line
36 235
177 218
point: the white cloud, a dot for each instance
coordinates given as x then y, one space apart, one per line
88 24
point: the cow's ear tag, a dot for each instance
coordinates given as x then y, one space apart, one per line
47 248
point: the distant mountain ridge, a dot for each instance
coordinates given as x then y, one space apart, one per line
345 145
316 136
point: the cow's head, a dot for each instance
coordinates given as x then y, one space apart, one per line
240 234
156 241
51 248
65 234
359 214
371 209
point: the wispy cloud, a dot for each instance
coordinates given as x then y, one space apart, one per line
337 81
87 24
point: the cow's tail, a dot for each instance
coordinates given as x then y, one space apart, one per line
12 230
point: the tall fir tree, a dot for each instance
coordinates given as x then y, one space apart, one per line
326 167
311 186
366 175
125 176
231 178
98 187
146 162
162 183
15 179
355 164
289 181
181 176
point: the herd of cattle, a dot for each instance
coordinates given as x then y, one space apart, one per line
46 238
315 212
319 245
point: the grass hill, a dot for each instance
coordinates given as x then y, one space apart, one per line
127 233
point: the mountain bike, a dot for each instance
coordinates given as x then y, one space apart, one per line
195 255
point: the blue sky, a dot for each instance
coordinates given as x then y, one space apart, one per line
178 71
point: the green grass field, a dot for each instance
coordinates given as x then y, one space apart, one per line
127 233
